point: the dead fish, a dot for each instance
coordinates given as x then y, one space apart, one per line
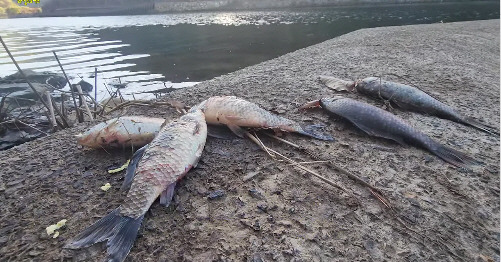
380 123
122 131
174 151
406 97
235 113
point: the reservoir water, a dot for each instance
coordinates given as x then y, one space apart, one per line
150 52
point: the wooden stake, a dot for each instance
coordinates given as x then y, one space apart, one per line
80 120
82 98
95 91
64 124
63 98
51 110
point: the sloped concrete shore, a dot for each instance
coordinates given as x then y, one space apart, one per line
449 214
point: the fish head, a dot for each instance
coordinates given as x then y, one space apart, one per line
326 101
90 137
196 119
360 84
199 107
311 104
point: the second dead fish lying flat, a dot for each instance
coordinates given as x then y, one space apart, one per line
173 152
236 112
406 97
122 131
377 122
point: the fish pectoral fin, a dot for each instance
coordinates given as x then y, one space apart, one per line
236 130
234 118
372 132
167 195
131 168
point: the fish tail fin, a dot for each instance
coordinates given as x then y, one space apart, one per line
476 124
454 157
313 131
120 232
337 84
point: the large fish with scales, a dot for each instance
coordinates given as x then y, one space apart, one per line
174 151
406 97
122 131
235 113
380 123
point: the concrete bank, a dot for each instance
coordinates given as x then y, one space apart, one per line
454 215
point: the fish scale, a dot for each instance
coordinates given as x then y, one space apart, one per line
380 123
388 124
177 147
405 97
167 157
236 112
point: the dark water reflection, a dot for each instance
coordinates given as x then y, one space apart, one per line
186 48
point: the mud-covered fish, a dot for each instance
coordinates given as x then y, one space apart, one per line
380 123
406 97
122 131
173 152
235 113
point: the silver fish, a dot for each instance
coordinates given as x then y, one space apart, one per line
174 151
122 131
406 97
235 112
380 123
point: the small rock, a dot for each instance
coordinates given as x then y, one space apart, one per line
77 184
256 226
263 207
203 212
285 223
216 194
3 240
34 253
256 258
255 193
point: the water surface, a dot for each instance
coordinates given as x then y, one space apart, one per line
149 52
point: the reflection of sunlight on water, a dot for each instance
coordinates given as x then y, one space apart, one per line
226 19
108 42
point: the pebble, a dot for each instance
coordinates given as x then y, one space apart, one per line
255 193
216 194
263 207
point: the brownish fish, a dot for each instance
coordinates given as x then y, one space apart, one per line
173 152
235 113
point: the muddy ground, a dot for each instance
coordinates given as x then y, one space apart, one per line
282 214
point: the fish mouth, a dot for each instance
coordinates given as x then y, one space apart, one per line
327 100
311 104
